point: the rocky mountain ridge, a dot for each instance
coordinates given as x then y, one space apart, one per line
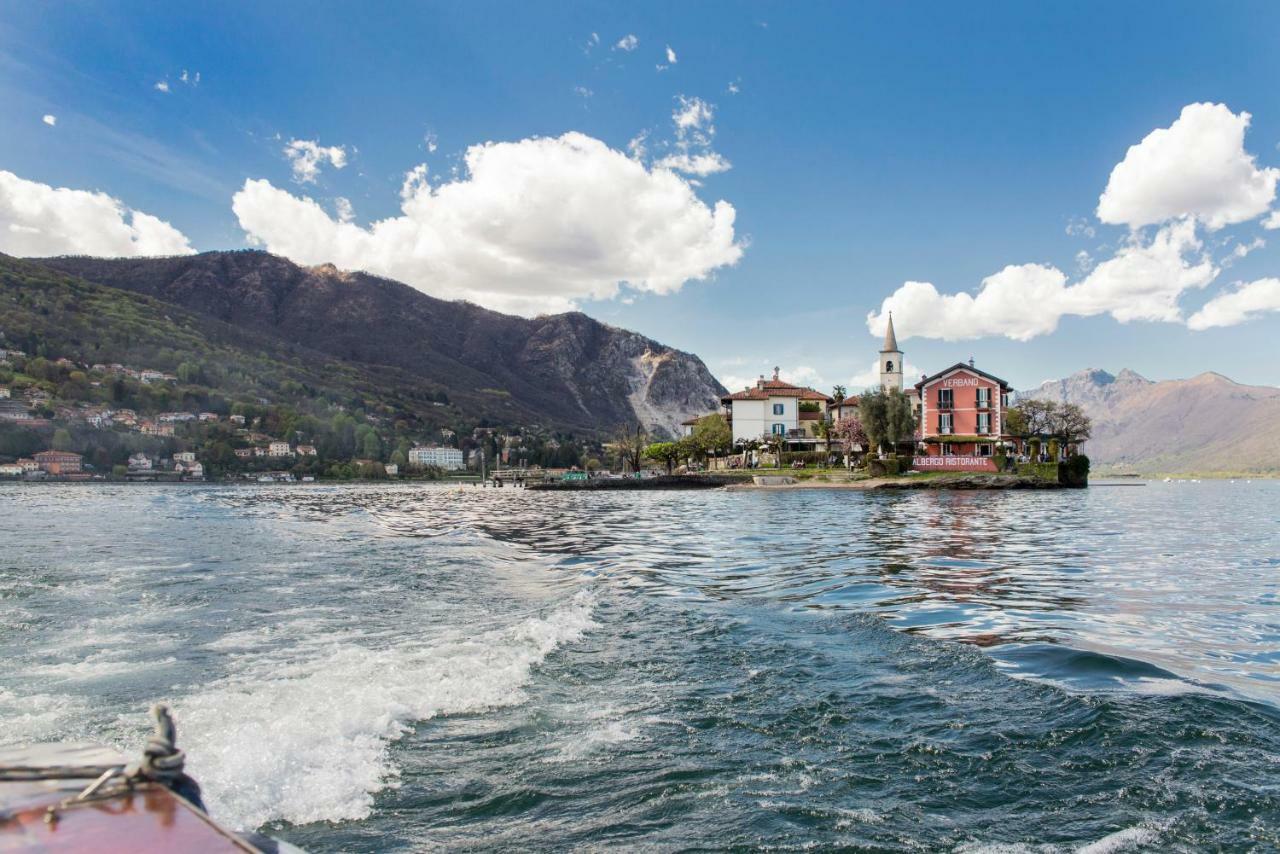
1207 424
566 371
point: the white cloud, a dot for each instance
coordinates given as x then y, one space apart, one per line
431 141
39 220
1244 303
1080 227
532 226
582 92
50 120
1272 222
734 87
695 128
307 156
1195 167
162 86
1084 261
342 205
695 164
671 56
627 43
1142 281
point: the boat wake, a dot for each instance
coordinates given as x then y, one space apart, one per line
303 741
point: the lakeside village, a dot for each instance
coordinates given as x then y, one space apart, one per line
959 419
61 420
68 421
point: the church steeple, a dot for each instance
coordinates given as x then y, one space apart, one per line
890 340
890 360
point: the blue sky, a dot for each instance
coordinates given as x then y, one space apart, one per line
869 147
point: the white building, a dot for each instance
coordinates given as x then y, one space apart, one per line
279 449
184 457
773 407
449 459
4 392
139 462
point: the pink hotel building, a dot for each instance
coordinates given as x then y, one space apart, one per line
961 412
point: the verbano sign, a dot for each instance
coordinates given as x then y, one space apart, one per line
953 463
952 382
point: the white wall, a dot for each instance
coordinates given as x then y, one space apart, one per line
753 419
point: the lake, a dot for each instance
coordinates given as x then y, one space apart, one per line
375 668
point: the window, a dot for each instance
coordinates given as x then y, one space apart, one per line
944 422
984 398
779 429
944 398
888 367
984 422
984 450
1004 399
777 408
946 449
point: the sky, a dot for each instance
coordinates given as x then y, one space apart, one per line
1040 188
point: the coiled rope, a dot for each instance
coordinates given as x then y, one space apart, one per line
162 763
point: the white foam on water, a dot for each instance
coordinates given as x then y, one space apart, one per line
309 740
1121 840
37 717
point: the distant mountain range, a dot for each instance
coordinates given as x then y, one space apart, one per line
1207 424
565 371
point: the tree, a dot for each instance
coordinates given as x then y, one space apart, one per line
667 453
886 417
849 430
1070 423
711 435
838 393
629 446
1032 417
62 440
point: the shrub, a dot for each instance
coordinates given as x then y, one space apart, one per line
888 467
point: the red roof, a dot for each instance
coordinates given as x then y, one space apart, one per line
765 389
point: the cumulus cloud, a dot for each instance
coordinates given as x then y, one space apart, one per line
1272 222
1244 303
1142 281
39 220
627 43
1196 167
50 120
694 121
307 156
162 86
671 56
531 226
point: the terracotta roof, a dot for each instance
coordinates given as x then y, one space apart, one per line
765 389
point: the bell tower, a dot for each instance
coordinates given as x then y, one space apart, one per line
890 360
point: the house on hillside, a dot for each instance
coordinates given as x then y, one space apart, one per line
279 449
14 410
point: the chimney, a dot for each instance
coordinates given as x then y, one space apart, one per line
971 361
760 382
775 374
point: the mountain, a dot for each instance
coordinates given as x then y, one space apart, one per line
564 371
1206 424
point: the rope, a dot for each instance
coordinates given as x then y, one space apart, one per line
162 762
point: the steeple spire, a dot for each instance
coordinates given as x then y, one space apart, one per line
890 340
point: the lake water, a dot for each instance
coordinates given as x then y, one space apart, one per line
408 667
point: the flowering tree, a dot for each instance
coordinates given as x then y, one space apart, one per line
850 431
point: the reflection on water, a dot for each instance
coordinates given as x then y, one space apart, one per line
460 667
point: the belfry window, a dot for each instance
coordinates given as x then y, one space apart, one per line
888 367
